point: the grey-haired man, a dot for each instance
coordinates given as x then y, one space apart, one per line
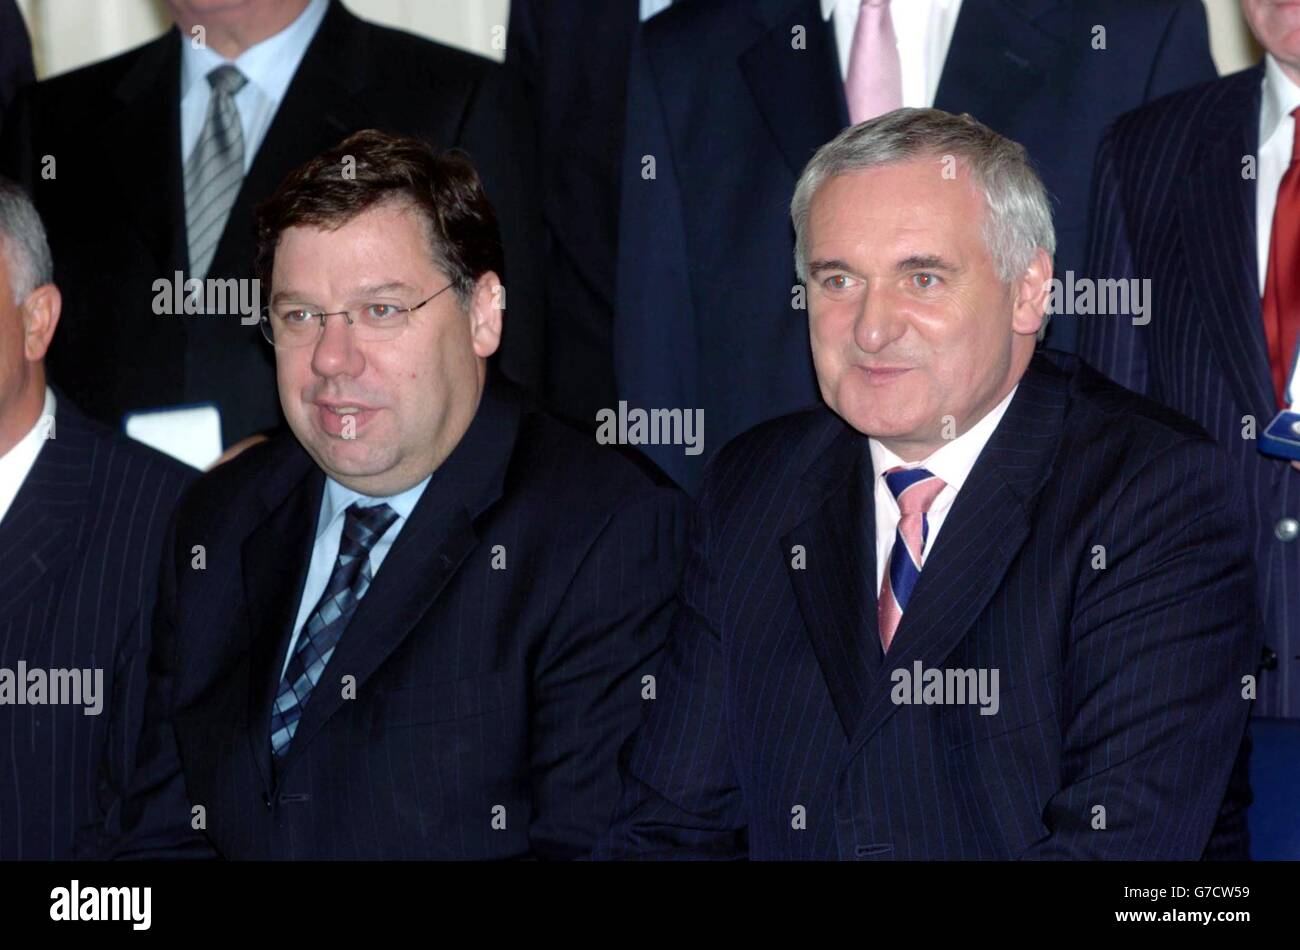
983 604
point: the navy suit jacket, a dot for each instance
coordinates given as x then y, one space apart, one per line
774 734
497 657
16 68
1174 206
80 545
115 354
577 97
731 113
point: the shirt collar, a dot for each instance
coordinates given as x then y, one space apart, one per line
339 497
268 65
954 460
1280 97
828 6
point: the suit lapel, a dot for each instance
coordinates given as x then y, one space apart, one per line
984 531
835 587
798 91
998 57
39 531
151 112
430 549
275 560
1217 212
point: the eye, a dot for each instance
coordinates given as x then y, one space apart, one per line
296 316
836 282
924 281
380 311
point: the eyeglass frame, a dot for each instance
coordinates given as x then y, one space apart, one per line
265 320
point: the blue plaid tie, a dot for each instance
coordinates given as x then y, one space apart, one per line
362 527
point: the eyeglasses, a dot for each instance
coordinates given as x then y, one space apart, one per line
286 326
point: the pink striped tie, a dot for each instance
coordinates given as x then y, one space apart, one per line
875 82
915 489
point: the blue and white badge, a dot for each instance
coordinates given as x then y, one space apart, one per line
1282 437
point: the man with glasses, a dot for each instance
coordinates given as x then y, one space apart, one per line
421 625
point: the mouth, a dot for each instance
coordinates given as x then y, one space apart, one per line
883 375
344 420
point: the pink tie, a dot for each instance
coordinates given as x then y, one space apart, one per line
875 82
915 490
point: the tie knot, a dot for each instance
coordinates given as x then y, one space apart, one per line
914 488
364 525
227 79
876 4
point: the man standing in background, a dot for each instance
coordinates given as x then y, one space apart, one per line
727 100
190 132
15 53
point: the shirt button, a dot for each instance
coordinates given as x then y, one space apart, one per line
1287 529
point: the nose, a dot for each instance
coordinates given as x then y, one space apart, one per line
878 323
336 352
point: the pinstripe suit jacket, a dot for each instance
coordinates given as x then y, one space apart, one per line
497 657
80 546
1172 204
774 733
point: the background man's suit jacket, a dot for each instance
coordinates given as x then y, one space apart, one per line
1174 207
15 52
578 96
81 545
477 688
732 113
1120 687
116 211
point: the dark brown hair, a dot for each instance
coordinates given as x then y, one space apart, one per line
371 167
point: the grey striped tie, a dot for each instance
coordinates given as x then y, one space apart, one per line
215 170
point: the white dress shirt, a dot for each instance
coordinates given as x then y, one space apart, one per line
1276 137
651 8
334 503
269 67
924 30
18 461
952 463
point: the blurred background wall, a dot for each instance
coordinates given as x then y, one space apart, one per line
71 33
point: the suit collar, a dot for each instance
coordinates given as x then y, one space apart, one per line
433 543
804 83
986 527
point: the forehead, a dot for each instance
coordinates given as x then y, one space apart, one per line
934 196
386 231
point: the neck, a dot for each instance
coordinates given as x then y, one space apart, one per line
23 412
231 32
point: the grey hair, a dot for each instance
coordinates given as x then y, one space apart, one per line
1019 221
22 237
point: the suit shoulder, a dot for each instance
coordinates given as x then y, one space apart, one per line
120 458
564 462
1186 108
1103 410
777 451
410 52
98 78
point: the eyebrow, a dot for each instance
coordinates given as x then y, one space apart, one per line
915 262
370 290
